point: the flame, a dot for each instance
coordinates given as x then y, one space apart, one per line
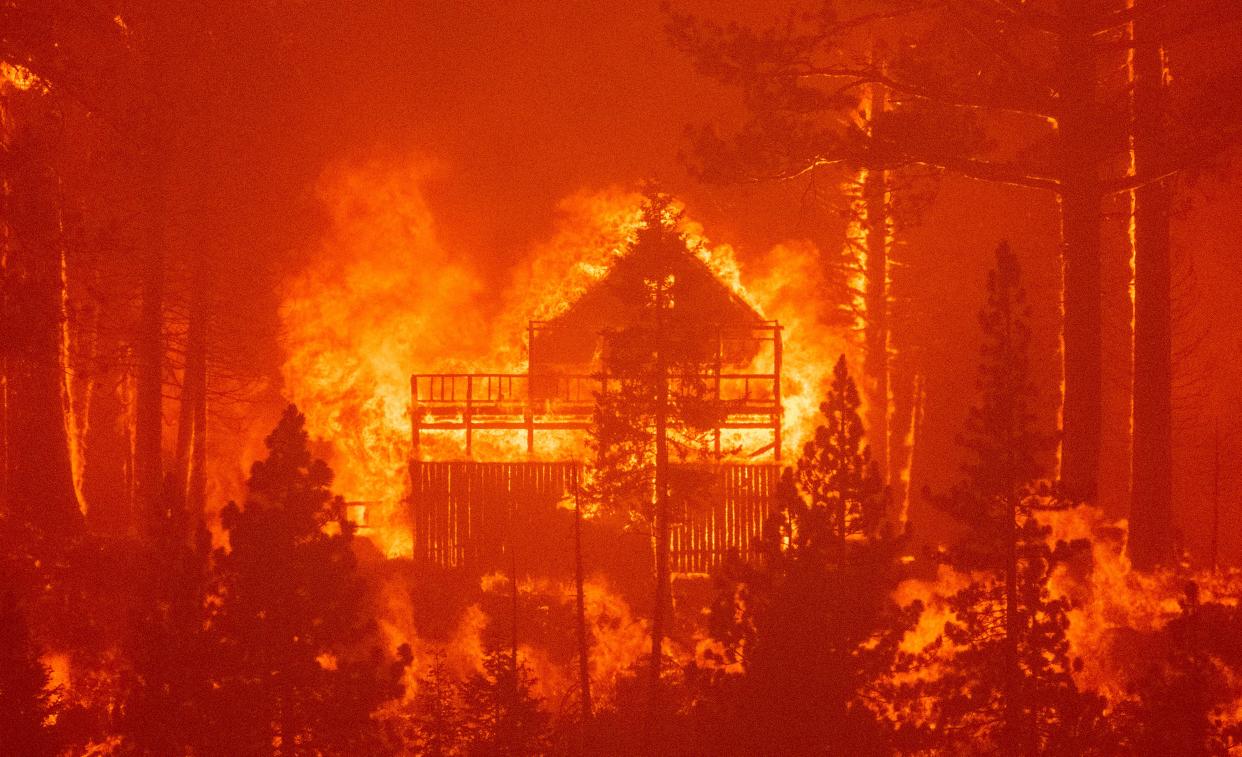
20 78
383 298
1108 599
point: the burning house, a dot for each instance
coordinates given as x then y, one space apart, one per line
464 504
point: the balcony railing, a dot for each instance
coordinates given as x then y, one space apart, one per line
548 400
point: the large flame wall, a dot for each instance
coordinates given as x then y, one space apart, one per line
384 298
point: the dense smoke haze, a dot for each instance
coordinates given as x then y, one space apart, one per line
658 377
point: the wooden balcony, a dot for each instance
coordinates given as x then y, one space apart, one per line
547 400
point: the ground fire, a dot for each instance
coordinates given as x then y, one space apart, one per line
648 378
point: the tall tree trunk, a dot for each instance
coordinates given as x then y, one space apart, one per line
660 529
584 662
191 431
1080 200
875 361
876 358
1151 506
197 490
660 521
1013 673
148 421
39 470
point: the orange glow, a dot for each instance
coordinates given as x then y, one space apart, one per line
17 76
365 315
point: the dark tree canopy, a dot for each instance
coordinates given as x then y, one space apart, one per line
835 470
818 592
1010 685
300 658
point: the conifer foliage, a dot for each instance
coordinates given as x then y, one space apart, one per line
820 594
292 615
836 470
1009 688
437 718
503 717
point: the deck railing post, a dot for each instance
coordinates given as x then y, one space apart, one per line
468 416
416 420
778 410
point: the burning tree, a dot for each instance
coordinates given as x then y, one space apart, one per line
1040 79
1008 686
859 135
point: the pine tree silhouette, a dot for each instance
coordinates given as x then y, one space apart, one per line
437 717
502 716
170 648
812 622
1009 687
655 405
301 662
836 470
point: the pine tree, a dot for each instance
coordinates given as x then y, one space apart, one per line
812 622
26 694
1009 687
836 470
654 403
437 717
301 663
170 649
502 716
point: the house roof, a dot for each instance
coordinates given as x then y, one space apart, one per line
621 299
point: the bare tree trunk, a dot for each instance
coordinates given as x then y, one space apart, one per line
513 597
39 469
1013 674
148 421
1080 223
1151 507
660 522
197 496
191 434
1215 544
876 362
584 662
876 359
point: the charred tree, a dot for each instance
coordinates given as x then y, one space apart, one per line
1151 512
